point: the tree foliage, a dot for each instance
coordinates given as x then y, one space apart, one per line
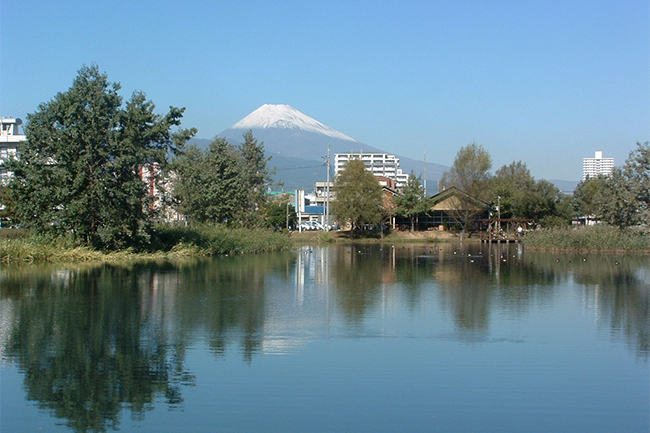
511 188
520 196
627 191
588 196
78 170
255 177
412 201
280 215
223 183
470 173
359 197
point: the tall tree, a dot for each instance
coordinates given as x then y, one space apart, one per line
470 173
627 190
207 185
511 187
411 202
255 177
358 196
78 170
588 196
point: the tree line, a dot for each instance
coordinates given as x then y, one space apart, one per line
78 176
621 199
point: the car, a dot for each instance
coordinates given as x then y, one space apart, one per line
311 225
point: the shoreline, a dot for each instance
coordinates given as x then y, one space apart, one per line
220 241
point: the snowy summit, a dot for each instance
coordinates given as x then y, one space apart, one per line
286 117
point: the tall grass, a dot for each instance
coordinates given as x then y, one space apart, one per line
598 238
168 242
219 240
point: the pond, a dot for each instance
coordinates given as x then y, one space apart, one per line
343 338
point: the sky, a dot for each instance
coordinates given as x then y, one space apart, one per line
543 82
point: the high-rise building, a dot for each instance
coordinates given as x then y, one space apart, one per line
379 164
592 167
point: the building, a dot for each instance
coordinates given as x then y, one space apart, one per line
10 139
592 167
379 164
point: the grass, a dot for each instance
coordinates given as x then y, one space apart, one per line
598 238
168 242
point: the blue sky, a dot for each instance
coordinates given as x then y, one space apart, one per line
544 82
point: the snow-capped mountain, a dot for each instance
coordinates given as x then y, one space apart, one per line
287 132
286 117
298 145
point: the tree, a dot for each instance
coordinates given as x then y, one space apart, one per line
359 197
411 202
207 185
223 183
588 196
627 191
549 206
255 178
511 188
470 173
78 169
280 215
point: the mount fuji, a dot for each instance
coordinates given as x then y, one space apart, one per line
298 144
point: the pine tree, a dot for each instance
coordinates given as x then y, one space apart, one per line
412 202
78 170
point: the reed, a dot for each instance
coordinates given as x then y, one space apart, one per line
598 238
168 242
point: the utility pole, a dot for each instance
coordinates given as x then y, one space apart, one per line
499 214
327 189
425 174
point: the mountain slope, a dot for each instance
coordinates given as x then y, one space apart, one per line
298 144
286 117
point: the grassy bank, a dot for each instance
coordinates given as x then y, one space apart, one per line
167 242
394 236
598 238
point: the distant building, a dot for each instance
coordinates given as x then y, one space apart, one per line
592 167
10 139
379 164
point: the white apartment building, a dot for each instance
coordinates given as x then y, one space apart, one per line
379 164
592 167
10 139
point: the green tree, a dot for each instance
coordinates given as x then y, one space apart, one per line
412 201
511 187
280 215
78 170
223 183
255 177
627 191
207 184
359 197
470 173
588 196
549 205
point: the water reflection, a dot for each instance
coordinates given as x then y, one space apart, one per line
92 340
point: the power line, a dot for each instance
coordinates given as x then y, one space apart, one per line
298 168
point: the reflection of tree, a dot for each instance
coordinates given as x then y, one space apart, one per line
357 273
611 283
226 296
413 270
77 340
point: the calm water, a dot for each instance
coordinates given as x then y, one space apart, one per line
428 338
